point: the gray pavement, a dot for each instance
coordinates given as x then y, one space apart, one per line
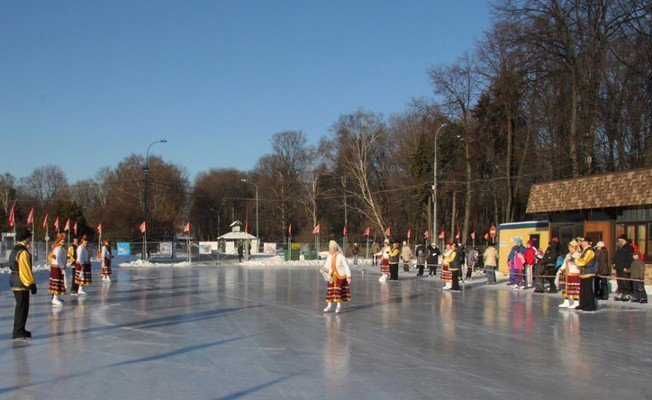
230 332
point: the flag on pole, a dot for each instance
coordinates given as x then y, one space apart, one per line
345 231
409 235
67 227
316 230
426 235
99 228
56 224
143 227
30 217
473 235
74 228
186 229
367 232
246 227
290 230
388 232
45 221
442 234
457 235
486 236
12 216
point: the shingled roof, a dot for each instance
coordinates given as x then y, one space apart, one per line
618 189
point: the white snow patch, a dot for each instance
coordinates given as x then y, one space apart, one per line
279 261
144 263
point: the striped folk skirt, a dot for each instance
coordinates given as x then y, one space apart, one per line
446 274
57 284
572 287
384 266
106 268
83 275
338 291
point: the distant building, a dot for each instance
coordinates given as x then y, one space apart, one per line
237 236
599 207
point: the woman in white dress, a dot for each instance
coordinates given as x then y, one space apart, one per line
337 274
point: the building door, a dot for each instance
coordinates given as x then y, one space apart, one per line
594 237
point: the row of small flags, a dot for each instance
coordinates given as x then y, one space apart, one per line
388 233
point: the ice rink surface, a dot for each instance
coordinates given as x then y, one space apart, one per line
230 332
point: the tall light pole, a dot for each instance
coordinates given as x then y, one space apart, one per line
434 185
256 186
146 172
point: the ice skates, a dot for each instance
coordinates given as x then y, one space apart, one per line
338 309
81 291
328 307
565 304
382 278
56 301
574 304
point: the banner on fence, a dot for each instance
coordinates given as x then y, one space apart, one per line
124 249
165 248
206 247
269 249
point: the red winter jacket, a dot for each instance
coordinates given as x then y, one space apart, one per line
530 256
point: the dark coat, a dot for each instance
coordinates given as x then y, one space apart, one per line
624 256
603 262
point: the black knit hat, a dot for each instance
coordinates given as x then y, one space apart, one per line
24 234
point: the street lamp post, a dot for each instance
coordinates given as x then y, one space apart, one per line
434 185
256 186
146 172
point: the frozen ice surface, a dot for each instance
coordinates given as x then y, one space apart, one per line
230 332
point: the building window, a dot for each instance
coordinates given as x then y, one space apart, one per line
638 233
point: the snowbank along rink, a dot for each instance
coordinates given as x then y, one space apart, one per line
231 332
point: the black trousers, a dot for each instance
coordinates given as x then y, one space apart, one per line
601 288
639 292
624 287
538 281
20 312
433 269
587 296
551 271
393 272
456 279
406 266
490 273
74 287
420 268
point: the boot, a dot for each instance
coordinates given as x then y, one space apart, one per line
338 309
574 304
382 278
447 286
56 301
565 304
328 307
81 291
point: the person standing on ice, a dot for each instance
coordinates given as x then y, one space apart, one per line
510 258
384 261
490 263
355 251
22 282
421 258
394 257
240 252
572 286
336 270
83 270
433 259
406 255
107 256
57 282
588 267
449 255
530 255
71 262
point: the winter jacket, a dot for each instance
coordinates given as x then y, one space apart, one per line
637 268
519 261
624 256
406 254
587 263
394 256
551 255
453 260
490 257
421 255
20 264
603 262
530 255
433 255
512 252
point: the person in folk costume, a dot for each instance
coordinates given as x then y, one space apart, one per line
71 262
433 259
22 282
107 256
455 266
384 261
587 263
572 272
449 255
336 270
604 269
83 270
394 257
57 259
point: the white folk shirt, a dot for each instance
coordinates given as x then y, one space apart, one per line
83 255
340 263
569 264
105 253
59 257
384 253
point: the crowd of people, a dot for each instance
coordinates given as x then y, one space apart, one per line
76 258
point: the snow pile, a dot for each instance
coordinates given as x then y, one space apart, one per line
144 263
279 261
37 267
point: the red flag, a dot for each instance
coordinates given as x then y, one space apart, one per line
442 234
367 232
486 236
345 231
388 232
30 217
290 230
12 216
99 228
187 228
74 228
426 234
316 230
143 227
473 235
45 221
246 226
409 234
56 224
457 235
67 227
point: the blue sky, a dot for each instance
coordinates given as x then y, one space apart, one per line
85 83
